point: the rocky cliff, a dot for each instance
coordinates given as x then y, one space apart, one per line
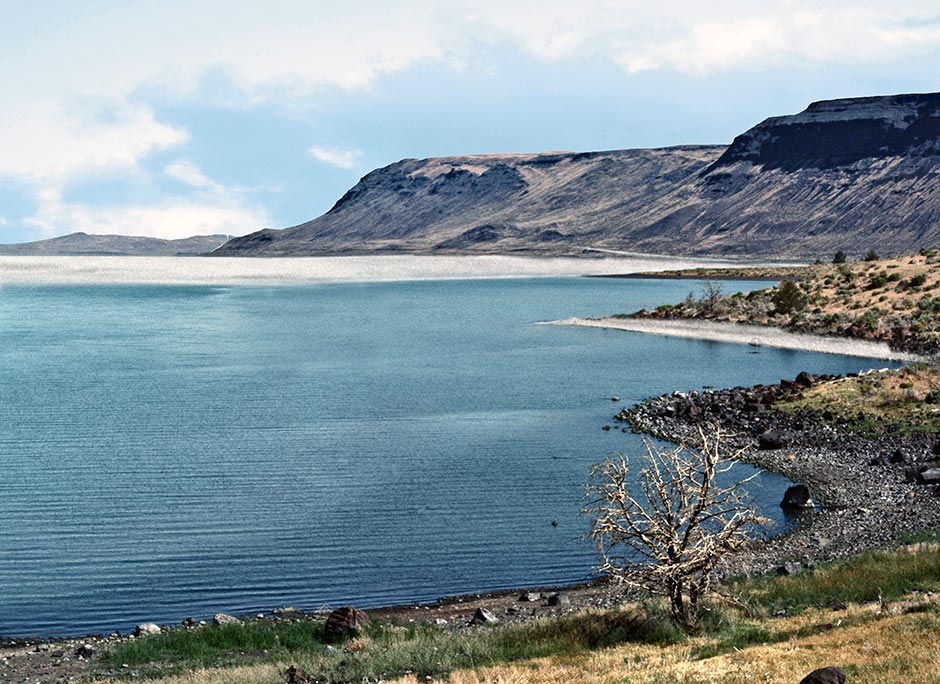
851 174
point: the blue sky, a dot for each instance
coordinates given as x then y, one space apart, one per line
179 118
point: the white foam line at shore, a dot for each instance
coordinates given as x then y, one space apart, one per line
299 270
738 333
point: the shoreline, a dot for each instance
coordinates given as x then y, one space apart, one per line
739 333
233 271
865 498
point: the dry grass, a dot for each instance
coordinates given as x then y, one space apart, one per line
907 399
869 650
875 643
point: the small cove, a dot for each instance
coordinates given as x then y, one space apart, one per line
175 450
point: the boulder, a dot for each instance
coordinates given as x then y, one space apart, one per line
147 629
825 675
343 623
796 498
530 596
297 676
85 651
483 617
774 439
559 599
805 379
221 619
789 569
930 476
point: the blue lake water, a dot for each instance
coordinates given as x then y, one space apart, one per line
173 451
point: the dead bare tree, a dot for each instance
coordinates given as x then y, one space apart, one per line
666 528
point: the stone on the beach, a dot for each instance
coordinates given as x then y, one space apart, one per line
85 651
297 676
930 476
797 497
789 569
147 629
805 379
343 623
559 599
221 619
774 439
483 617
825 675
286 610
530 596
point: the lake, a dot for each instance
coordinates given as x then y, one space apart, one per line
170 451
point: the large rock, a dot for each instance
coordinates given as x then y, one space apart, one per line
483 617
221 619
774 439
344 623
930 476
805 379
825 675
297 676
796 497
147 629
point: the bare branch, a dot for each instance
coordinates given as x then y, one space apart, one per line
665 529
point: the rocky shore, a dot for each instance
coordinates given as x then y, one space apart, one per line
870 492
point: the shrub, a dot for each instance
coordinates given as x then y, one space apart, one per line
788 298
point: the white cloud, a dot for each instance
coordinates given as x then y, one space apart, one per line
343 158
41 143
77 80
213 209
188 173
173 218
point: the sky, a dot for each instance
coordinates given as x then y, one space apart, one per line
174 118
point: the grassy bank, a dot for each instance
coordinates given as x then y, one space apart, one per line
904 401
850 613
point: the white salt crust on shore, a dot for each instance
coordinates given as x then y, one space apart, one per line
121 270
745 334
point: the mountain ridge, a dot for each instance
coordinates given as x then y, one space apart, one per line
849 174
85 244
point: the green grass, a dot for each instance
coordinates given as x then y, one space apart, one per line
870 577
385 650
388 651
210 645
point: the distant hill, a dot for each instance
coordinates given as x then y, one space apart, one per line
82 244
852 174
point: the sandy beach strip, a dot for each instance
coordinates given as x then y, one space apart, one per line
745 334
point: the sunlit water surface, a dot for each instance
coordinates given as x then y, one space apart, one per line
169 451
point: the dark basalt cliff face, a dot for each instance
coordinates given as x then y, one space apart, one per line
852 174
